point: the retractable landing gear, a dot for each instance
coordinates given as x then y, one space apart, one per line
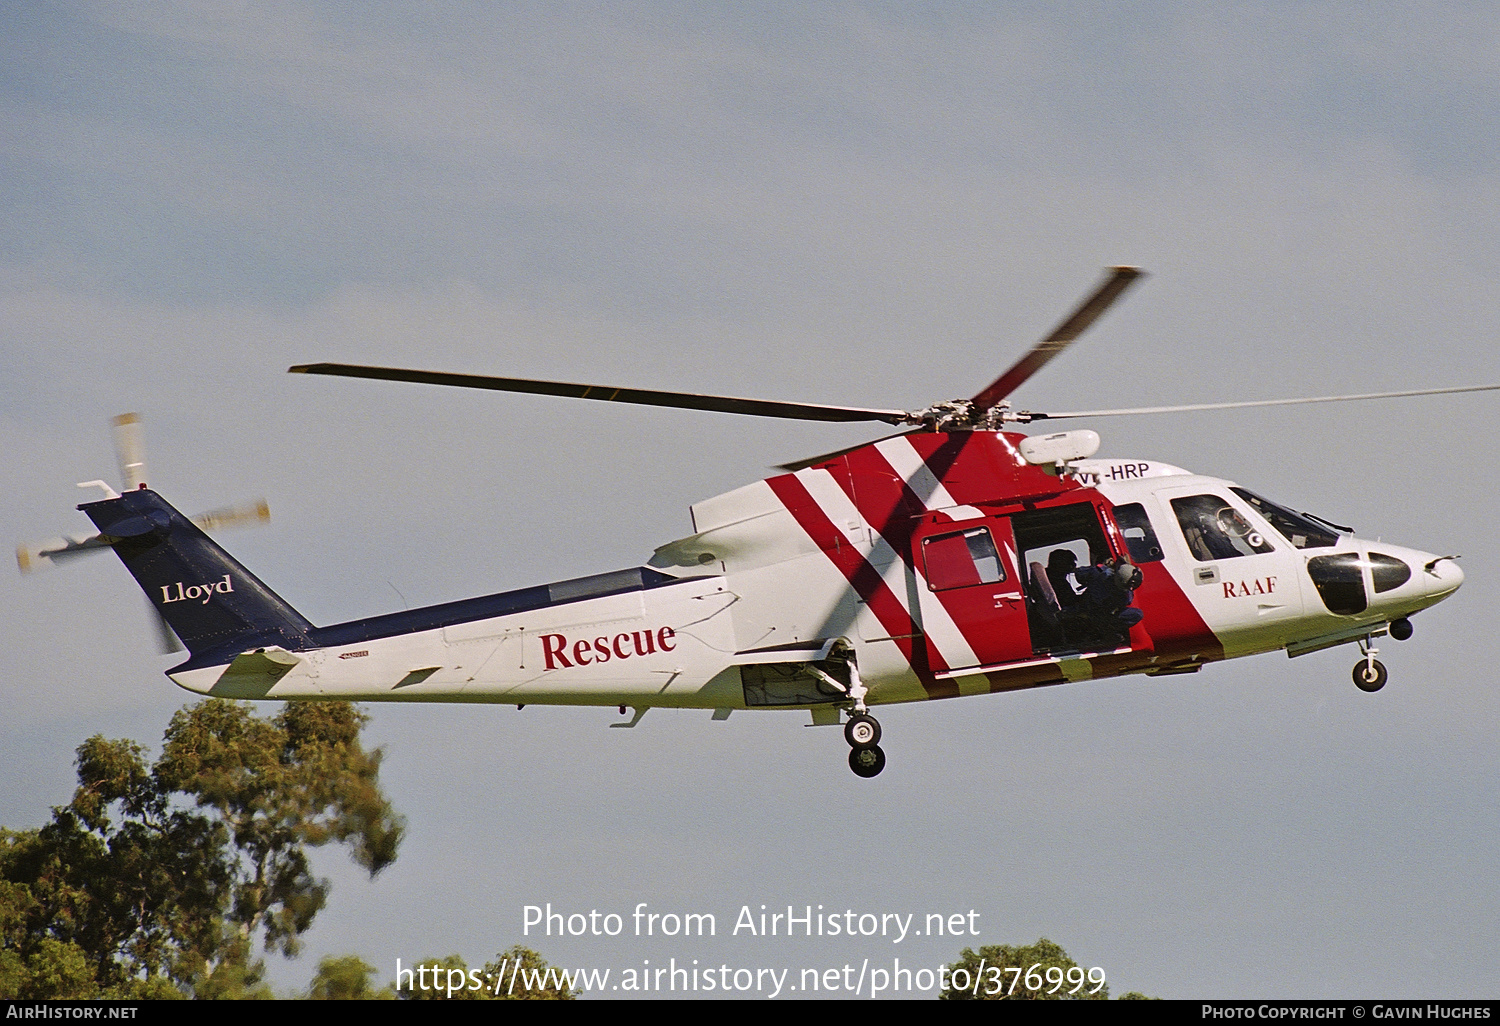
863 734
862 730
1369 672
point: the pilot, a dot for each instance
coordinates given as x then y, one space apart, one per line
1105 591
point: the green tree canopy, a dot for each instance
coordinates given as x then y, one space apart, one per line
1037 972
160 880
347 979
527 977
515 974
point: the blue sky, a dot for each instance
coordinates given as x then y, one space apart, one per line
861 204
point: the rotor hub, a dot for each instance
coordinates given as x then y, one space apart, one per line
966 415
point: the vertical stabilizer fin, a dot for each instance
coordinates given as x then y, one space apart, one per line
208 599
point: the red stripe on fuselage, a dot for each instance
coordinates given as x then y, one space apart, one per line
979 469
888 503
864 579
982 469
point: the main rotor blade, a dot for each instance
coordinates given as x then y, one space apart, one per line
607 393
166 638
1090 310
812 461
1026 416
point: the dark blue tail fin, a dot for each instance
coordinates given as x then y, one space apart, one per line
215 605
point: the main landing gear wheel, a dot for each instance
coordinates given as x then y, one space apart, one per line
1370 675
867 762
862 731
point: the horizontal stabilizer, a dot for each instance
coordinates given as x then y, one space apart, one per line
253 674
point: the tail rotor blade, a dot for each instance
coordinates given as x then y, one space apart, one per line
130 449
47 553
31 558
245 514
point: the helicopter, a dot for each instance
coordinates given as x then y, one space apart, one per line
955 558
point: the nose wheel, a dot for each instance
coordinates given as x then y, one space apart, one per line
1369 675
1369 672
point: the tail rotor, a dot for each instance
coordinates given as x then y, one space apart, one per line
130 452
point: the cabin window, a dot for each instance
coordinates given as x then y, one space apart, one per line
1294 527
962 558
1213 529
1140 537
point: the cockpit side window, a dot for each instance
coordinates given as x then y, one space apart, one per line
1294 527
1140 537
1213 529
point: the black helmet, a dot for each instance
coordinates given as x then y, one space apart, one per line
1062 559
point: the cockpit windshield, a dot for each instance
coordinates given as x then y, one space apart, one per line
1294 527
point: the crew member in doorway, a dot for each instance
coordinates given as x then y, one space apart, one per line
1061 565
1103 613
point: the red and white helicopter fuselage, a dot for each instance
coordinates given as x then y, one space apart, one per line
954 559
915 560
